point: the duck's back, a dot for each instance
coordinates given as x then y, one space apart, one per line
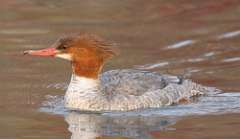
132 89
135 82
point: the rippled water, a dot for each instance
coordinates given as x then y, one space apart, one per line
138 124
198 39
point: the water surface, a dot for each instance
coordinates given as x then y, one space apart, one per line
199 39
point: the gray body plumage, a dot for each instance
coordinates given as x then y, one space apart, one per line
125 90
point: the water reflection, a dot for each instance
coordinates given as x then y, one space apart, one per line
139 124
90 126
158 35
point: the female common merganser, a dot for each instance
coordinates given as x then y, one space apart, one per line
116 90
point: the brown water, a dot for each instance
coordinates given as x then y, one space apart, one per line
197 38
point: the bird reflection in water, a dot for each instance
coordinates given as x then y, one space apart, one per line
139 124
91 126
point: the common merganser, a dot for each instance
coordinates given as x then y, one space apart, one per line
115 90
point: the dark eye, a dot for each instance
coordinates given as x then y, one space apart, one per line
63 43
64 46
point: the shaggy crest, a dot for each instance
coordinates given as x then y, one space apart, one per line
87 52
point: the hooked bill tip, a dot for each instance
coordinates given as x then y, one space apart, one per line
25 52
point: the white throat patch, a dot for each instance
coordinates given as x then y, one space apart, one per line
64 56
83 83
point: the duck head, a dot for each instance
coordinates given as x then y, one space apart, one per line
87 53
